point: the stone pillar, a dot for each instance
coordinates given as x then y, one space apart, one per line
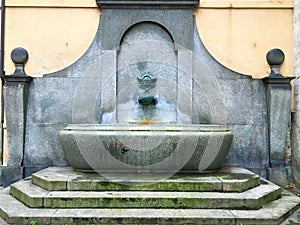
295 135
278 96
15 100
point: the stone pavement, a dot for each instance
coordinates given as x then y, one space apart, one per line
294 219
2 190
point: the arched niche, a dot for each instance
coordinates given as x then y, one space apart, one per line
147 47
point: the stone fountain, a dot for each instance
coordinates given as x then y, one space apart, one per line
144 97
145 128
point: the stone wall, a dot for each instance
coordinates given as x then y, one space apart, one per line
53 103
296 114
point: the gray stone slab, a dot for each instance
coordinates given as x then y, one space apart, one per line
10 174
145 216
2 222
240 181
54 178
65 178
236 170
28 193
50 100
35 196
177 183
260 114
15 108
266 194
44 149
111 40
279 176
293 219
250 142
252 199
141 199
14 212
279 107
4 190
273 213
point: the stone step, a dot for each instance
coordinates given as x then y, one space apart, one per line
37 197
14 212
66 179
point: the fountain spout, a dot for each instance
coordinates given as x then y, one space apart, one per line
148 100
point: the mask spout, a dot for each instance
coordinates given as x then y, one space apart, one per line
148 100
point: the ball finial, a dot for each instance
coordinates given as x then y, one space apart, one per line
275 57
19 55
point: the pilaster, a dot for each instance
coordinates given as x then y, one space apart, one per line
278 95
15 99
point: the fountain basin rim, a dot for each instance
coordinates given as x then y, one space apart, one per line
148 127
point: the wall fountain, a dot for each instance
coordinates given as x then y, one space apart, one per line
149 55
158 119
149 124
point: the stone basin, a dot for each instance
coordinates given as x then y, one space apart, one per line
155 147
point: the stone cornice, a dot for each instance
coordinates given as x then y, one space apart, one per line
165 4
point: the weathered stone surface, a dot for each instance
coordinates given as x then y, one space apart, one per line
145 216
226 180
238 182
53 178
254 198
15 212
296 145
279 175
45 149
279 102
179 184
148 148
250 142
293 219
29 194
242 107
15 111
111 40
2 222
279 95
273 213
10 174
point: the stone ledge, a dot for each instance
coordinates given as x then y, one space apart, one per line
66 179
166 4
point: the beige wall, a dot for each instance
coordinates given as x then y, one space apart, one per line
240 38
54 37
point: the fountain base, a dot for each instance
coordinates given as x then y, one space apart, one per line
64 196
